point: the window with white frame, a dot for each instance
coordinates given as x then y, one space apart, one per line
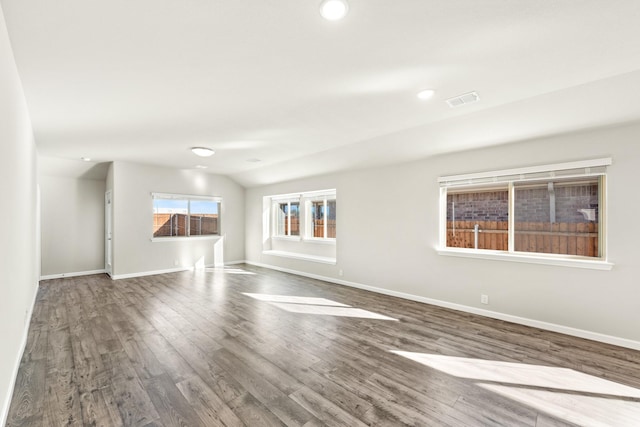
551 211
308 215
321 216
287 217
177 215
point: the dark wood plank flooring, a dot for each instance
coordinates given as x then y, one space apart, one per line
248 346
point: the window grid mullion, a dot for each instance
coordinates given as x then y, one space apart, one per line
602 201
512 219
324 219
188 224
288 233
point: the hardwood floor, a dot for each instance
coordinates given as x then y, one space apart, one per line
249 346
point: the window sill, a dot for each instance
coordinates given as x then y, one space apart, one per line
530 259
286 238
184 238
305 257
320 241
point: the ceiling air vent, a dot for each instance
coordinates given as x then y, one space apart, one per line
464 99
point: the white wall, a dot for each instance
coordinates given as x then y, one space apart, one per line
394 250
18 186
72 225
135 253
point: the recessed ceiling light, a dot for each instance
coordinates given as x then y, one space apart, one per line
426 94
334 10
200 166
253 160
85 159
202 151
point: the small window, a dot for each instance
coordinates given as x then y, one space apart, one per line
288 218
322 215
556 210
185 216
307 216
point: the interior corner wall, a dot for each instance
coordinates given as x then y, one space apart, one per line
72 225
387 234
109 178
18 216
109 184
133 251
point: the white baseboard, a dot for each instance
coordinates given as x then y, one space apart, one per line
170 270
25 335
567 330
149 273
74 274
304 257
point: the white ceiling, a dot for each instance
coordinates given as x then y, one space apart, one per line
145 80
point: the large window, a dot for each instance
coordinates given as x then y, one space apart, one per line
177 215
555 210
308 216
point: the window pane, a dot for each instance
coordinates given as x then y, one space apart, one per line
317 218
281 218
484 210
560 217
288 219
170 217
205 218
331 219
295 219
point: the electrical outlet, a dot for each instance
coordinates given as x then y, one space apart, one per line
484 299
340 273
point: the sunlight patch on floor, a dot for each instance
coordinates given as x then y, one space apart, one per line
332 311
317 306
229 270
295 300
564 393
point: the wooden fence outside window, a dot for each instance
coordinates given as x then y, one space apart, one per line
318 228
558 238
167 224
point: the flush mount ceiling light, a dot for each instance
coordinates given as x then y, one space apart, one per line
334 10
200 166
202 151
426 94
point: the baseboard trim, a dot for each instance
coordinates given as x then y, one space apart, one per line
170 270
74 274
149 273
25 335
553 327
304 257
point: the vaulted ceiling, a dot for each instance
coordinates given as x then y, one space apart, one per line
272 81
